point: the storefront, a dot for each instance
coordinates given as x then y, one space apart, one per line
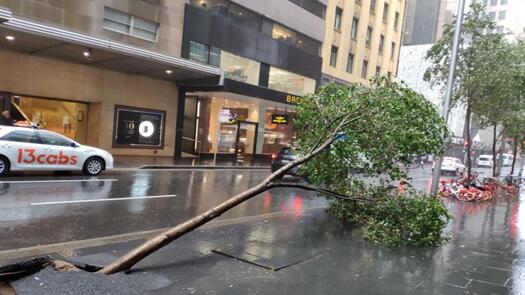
231 125
68 118
101 92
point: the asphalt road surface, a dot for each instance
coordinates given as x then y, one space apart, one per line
50 209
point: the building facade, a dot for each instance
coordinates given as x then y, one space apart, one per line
270 54
104 73
211 76
362 39
421 21
412 67
508 15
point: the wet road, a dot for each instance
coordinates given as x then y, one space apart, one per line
48 209
42 210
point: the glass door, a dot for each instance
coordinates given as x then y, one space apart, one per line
246 139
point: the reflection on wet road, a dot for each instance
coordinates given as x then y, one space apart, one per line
48 209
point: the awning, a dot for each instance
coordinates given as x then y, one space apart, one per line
44 40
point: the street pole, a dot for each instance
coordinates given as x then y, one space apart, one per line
450 87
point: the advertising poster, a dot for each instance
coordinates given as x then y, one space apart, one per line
138 127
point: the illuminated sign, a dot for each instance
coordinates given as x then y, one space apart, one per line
135 127
279 119
293 99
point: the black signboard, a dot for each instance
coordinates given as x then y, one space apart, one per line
279 119
141 128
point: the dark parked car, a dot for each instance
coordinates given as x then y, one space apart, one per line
282 157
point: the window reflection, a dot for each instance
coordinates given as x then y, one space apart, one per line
235 67
257 22
240 68
285 81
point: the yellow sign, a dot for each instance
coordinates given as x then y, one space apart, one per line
280 119
293 99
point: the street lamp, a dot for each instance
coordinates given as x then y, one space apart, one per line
450 87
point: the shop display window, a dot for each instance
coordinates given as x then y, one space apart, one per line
285 81
278 130
63 117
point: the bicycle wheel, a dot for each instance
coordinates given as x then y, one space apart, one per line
487 195
511 189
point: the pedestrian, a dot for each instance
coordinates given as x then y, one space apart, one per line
6 119
420 162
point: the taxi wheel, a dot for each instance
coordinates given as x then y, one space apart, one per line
93 166
4 166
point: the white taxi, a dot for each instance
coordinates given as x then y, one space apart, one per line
28 149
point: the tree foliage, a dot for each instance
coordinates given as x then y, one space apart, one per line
392 218
480 70
391 124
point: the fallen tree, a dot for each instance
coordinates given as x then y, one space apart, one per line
376 129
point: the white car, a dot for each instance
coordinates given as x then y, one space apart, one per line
451 165
507 159
28 149
484 161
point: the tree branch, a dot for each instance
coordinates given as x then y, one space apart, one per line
320 190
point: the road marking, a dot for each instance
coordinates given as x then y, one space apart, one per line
58 180
101 200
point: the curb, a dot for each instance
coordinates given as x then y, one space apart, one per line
160 167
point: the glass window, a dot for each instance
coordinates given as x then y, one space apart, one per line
381 43
338 18
492 15
245 17
389 74
288 82
199 52
215 57
493 2
355 23
392 50
500 29
368 36
231 11
130 25
385 12
144 28
53 139
364 69
295 39
22 136
277 136
503 2
63 117
372 6
350 63
313 6
240 68
333 56
396 20
502 14
378 71
117 21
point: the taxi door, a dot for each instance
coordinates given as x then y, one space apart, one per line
58 153
21 147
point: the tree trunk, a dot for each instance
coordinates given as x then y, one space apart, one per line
469 143
500 158
494 142
514 154
151 245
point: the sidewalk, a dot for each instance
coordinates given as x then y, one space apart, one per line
310 252
157 162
